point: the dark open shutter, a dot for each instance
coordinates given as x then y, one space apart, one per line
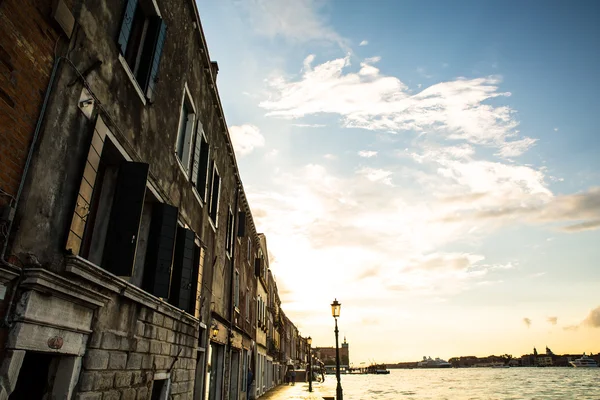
257 266
125 216
156 54
203 167
126 25
183 263
197 150
241 224
159 256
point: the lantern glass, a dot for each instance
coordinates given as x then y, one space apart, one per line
336 308
309 340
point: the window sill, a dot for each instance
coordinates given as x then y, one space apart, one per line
135 83
89 271
182 168
197 196
212 224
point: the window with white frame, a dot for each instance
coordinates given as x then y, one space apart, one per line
187 118
229 233
236 289
249 249
247 310
141 41
258 309
215 191
200 165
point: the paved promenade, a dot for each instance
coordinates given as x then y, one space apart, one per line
299 391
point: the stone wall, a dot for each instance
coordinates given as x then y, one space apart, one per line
122 365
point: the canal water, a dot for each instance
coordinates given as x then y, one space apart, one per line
473 384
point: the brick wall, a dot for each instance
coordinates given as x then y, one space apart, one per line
26 57
122 366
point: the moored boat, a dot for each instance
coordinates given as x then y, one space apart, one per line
428 362
584 362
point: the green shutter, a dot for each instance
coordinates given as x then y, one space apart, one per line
126 25
125 217
183 270
161 244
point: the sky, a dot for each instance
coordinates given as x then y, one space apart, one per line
432 165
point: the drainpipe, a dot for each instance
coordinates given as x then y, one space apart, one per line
15 202
231 280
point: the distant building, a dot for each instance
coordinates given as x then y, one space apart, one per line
327 355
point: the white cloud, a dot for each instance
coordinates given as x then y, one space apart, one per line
367 153
593 318
364 43
516 147
457 109
309 125
376 175
555 129
246 138
297 21
330 156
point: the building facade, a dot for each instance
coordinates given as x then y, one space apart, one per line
129 252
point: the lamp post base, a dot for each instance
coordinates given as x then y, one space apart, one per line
339 395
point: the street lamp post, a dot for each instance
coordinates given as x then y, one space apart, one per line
335 311
309 342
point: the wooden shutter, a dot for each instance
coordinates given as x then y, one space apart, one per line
197 151
241 231
257 266
156 55
159 256
126 25
187 140
203 169
183 264
196 300
125 216
214 196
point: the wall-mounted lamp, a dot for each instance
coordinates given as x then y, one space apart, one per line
214 330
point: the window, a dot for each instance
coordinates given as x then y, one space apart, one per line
249 249
141 41
186 131
247 310
229 233
236 290
215 188
161 389
109 225
258 309
200 163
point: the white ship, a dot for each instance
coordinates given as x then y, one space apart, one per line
428 362
584 362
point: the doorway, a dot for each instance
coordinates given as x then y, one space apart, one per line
235 375
36 377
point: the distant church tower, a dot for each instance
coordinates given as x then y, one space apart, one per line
345 351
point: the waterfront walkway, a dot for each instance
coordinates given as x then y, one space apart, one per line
299 391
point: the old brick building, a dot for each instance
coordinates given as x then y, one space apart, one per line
130 259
